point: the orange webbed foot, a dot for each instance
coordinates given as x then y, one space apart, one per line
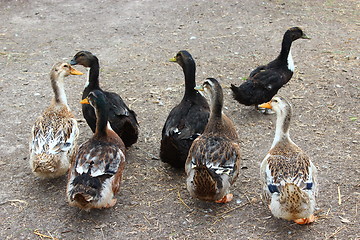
111 204
227 198
305 220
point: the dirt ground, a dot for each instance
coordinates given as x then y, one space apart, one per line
134 40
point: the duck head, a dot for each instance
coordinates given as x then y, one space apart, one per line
85 58
296 33
183 58
64 70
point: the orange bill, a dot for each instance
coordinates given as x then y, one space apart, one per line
73 71
265 105
85 101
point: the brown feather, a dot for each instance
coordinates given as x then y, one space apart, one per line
213 162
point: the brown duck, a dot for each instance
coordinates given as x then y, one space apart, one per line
55 132
212 165
288 176
96 170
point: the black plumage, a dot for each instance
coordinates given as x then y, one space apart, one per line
266 80
122 119
187 120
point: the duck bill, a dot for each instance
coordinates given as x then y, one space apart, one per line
85 101
172 59
304 36
199 88
265 105
73 71
73 62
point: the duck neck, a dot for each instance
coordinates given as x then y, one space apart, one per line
215 120
59 90
282 128
285 53
189 72
92 82
102 122
285 46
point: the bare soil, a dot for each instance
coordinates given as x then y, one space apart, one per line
134 40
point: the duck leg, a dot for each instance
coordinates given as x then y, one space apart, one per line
111 203
308 220
227 198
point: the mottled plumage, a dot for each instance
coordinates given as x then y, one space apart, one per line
187 120
55 132
96 171
266 80
212 165
287 174
122 119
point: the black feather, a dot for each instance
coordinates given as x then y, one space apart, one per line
309 186
265 81
187 120
273 188
122 120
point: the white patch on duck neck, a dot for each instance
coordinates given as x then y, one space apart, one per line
109 126
290 62
87 77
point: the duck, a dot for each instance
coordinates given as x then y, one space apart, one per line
287 174
122 119
213 162
96 170
265 81
54 134
187 120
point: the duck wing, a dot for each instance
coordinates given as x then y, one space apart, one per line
122 119
294 167
257 70
53 135
186 121
98 158
268 79
218 154
117 105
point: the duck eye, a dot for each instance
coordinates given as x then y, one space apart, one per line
275 100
